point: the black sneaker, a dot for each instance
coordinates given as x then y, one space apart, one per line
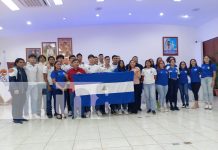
73 117
24 119
176 108
49 116
148 111
83 116
153 112
171 108
183 106
18 121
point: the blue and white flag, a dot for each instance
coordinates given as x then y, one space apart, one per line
115 88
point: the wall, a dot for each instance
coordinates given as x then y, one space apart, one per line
144 41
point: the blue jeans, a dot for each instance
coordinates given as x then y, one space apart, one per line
162 91
183 88
149 90
72 98
49 96
207 90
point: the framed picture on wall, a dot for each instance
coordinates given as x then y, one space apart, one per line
65 46
35 51
49 49
170 46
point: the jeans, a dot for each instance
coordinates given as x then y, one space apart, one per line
183 88
162 91
49 96
32 98
72 102
60 101
150 97
207 90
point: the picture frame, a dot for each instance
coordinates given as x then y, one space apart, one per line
170 46
65 47
35 51
49 49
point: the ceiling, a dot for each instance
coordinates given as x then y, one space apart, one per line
83 13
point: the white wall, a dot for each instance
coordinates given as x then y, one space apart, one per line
144 41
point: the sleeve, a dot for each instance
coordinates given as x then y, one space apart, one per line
213 67
13 79
155 71
53 75
45 70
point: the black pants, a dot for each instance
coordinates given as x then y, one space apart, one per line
195 89
140 97
133 107
18 101
67 94
173 90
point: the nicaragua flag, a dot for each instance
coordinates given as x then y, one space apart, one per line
115 88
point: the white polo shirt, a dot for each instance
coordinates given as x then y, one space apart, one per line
92 68
149 74
31 72
105 69
40 77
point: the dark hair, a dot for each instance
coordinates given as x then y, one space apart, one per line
158 60
95 57
100 55
210 59
190 65
17 60
79 54
158 64
91 56
172 60
121 68
55 64
32 56
129 66
41 56
51 57
135 56
75 60
60 56
114 56
106 57
149 62
71 56
180 66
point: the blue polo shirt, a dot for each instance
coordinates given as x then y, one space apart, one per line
173 73
183 76
195 73
59 76
207 70
162 77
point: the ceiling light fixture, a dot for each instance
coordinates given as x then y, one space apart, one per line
99 1
130 14
1 28
97 15
11 5
58 2
177 0
185 16
29 23
161 14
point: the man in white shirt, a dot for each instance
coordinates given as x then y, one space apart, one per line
32 91
41 84
79 56
47 70
101 60
114 61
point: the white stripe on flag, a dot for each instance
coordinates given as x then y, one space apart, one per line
104 88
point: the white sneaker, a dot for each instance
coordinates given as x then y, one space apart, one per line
35 116
206 106
166 109
99 113
210 107
70 113
120 112
161 109
126 112
88 114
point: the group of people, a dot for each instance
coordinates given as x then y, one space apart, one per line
47 83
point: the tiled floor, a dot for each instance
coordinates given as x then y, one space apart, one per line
184 130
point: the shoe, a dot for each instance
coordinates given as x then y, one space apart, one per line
176 108
35 116
18 121
70 113
88 114
126 112
83 116
139 109
59 116
166 109
149 111
72 116
183 106
50 116
187 106
64 116
120 112
195 105
99 113
23 119
210 107
153 112
172 108
206 106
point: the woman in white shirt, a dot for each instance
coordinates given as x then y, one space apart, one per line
149 75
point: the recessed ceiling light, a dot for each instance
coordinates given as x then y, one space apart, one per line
139 0
29 23
177 0
97 15
58 2
130 14
185 16
161 14
11 5
64 18
99 0
1 28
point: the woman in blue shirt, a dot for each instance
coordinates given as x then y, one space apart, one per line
162 84
59 78
183 84
208 77
194 73
173 85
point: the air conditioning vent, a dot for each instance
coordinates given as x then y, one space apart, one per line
34 3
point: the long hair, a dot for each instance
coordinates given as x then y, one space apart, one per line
210 60
158 64
149 62
17 60
130 68
190 65
180 66
119 67
55 69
